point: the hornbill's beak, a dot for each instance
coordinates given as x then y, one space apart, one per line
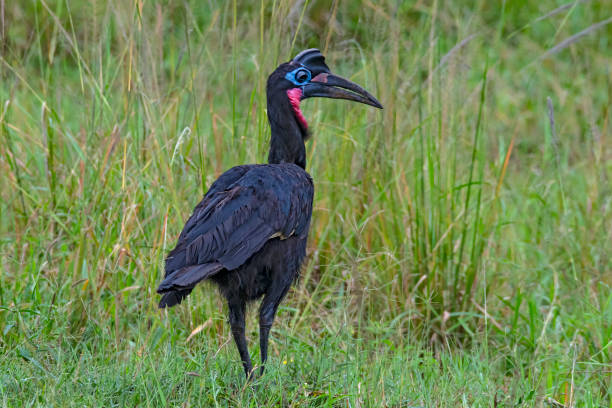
332 86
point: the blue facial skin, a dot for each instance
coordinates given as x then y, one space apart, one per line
292 76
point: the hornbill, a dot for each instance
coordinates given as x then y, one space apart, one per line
248 234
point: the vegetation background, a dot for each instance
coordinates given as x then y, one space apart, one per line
460 250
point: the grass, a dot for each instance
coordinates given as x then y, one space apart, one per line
459 253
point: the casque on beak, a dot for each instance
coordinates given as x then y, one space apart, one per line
326 85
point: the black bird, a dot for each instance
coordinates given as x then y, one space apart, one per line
248 234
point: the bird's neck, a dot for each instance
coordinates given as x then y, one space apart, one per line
287 140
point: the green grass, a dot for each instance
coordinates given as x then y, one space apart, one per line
460 249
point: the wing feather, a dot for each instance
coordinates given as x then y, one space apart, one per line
244 208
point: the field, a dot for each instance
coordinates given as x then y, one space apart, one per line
460 252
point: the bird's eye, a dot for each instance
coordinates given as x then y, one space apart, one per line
302 76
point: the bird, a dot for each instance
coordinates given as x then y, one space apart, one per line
248 234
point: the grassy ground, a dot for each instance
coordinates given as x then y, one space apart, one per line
460 247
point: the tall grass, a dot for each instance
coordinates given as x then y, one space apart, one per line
460 247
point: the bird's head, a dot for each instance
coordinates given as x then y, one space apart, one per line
307 76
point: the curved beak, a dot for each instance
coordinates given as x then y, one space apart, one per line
332 86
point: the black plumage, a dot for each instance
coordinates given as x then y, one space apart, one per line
249 232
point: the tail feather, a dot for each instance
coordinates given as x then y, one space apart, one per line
173 298
179 284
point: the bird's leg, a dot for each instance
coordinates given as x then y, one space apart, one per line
236 319
269 305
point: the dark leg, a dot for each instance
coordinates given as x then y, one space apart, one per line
236 318
269 305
